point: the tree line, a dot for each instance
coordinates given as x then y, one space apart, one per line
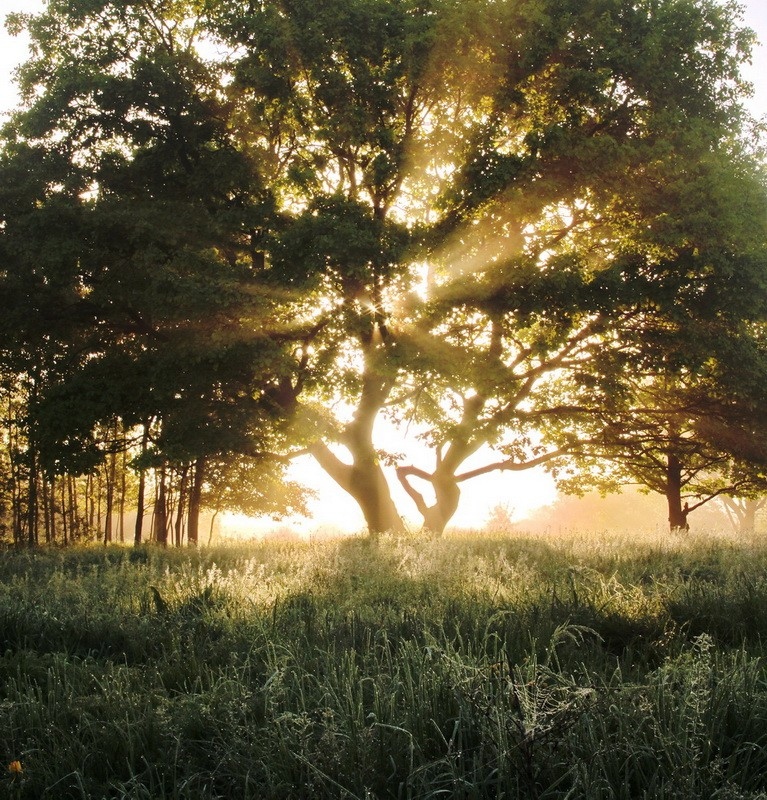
232 233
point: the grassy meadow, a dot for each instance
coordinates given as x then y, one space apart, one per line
482 666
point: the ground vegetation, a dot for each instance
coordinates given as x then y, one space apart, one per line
592 665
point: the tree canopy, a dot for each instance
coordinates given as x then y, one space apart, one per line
255 230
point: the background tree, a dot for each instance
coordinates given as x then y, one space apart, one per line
130 282
686 428
742 512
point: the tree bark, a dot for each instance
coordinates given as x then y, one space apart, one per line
364 478
47 509
446 492
365 481
182 491
212 526
138 530
64 510
677 513
123 489
111 478
32 499
741 512
161 513
748 523
74 518
195 499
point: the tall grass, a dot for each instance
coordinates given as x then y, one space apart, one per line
474 666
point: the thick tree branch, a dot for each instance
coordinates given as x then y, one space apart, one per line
724 490
340 472
402 476
512 465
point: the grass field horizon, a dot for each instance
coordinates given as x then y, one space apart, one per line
478 665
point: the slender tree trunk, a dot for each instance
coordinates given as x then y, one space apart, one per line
88 502
92 511
33 510
17 478
52 505
212 525
153 519
141 487
54 509
32 499
123 489
161 513
111 479
16 499
74 518
64 510
45 490
138 530
99 498
195 498
182 491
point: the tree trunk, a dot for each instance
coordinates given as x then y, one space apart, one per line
32 501
741 512
138 530
161 513
748 523
64 510
446 496
141 488
195 497
74 517
365 482
677 513
52 506
364 478
123 489
445 479
110 498
16 500
46 489
368 486
99 499
182 490
89 503
212 526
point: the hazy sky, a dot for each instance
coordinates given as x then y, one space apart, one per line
528 489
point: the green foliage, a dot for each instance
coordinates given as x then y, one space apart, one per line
479 667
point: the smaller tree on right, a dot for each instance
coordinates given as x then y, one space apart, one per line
742 512
689 422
